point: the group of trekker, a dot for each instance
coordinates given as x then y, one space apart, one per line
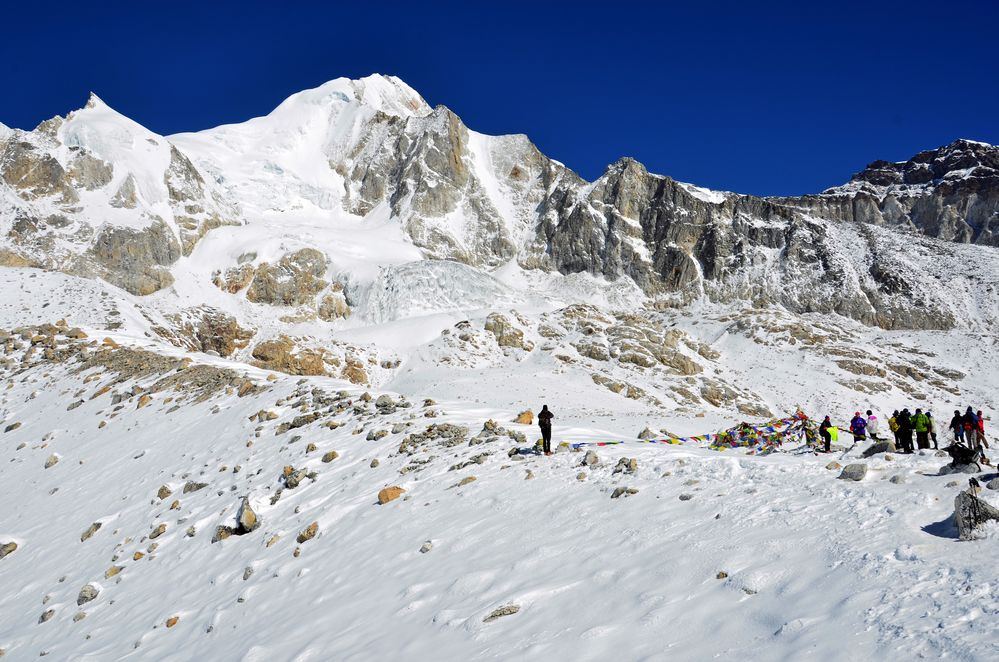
968 429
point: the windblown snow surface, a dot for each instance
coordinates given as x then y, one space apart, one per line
718 554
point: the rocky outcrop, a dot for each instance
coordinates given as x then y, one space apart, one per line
134 260
293 281
951 193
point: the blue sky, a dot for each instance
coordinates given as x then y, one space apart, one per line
763 98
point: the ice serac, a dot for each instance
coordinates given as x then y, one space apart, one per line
951 193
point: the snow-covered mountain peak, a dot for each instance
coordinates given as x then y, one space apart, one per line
386 94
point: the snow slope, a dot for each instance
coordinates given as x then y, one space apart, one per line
816 567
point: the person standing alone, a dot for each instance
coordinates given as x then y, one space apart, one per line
545 423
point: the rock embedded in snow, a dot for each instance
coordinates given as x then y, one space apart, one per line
426 547
525 418
158 531
898 479
879 447
87 594
623 491
506 610
374 463
308 533
46 616
646 434
164 492
626 465
8 548
192 486
686 496
51 461
854 472
590 459
12 427
91 530
389 494
993 484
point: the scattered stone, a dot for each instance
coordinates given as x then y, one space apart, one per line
329 457
529 476
311 448
112 571
175 505
12 427
525 418
623 491
170 622
158 531
295 478
79 616
721 575
898 479
832 466
466 481
247 572
164 492
137 556
7 549
993 484
626 465
853 472
273 539
591 459
46 616
507 610
191 532
87 593
374 463
308 533
686 496
952 483
427 546
970 512
91 530
389 494
581 475
646 434
52 461
194 487
144 400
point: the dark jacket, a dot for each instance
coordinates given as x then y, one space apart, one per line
545 418
970 420
956 423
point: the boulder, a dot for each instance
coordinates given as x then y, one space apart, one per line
646 434
832 466
970 512
51 461
626 465
158 531
591 459
969 468
248 520
389 494
525 418
993 484
854 472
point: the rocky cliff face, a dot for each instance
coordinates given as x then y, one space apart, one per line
951 193
96 194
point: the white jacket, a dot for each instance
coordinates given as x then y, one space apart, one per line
872 424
